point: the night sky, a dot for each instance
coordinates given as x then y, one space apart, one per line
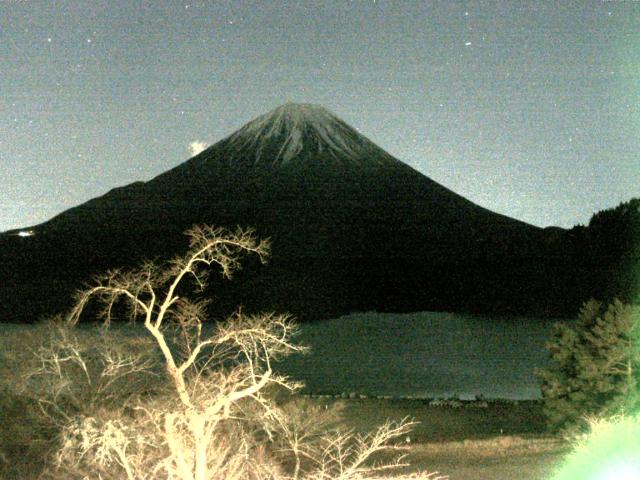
531 109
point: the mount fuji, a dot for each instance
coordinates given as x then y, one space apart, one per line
352 229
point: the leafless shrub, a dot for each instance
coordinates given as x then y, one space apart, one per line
75 374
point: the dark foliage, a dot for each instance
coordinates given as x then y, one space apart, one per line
595 367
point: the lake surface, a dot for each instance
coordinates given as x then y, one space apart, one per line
422 355
426 355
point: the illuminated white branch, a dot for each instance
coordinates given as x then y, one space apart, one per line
220 384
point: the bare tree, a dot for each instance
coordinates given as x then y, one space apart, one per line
221 421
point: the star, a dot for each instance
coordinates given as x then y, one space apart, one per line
49 40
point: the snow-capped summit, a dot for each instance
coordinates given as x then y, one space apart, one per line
300 132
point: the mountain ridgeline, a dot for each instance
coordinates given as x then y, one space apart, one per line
352 229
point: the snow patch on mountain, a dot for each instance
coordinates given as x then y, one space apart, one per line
293 128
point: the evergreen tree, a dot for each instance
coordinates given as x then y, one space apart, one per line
595 368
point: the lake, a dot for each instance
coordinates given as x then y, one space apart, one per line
424 355
419 355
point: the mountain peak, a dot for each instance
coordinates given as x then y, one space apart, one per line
302 112
299 132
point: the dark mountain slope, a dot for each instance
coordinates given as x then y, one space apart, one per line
352 229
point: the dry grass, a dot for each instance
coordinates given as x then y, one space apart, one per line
502 446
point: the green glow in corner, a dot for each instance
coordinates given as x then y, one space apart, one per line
625 471
610 452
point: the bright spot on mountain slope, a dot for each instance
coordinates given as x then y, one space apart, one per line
196 147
